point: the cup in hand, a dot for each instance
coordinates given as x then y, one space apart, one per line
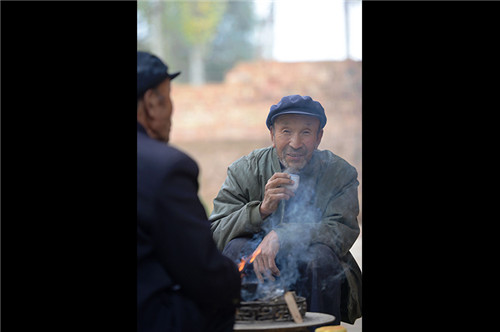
296 180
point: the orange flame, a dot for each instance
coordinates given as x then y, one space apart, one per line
241 265
254 255
244 260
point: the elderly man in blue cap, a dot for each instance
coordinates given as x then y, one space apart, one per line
183 282
295 207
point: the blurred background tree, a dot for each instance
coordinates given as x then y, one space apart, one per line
203 39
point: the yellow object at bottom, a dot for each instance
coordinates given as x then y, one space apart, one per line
333 328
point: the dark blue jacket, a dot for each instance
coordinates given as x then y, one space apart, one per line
176 254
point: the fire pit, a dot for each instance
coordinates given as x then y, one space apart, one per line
272 305
266 301
274 310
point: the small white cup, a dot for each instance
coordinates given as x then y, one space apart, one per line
296 179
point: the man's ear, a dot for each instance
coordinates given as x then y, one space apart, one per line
320 136
271 131
150 103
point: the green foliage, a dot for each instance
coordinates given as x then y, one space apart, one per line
199 20
224 28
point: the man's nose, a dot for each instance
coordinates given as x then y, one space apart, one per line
295 142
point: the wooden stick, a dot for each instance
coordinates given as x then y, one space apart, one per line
292 307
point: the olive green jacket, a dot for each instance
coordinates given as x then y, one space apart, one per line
324 210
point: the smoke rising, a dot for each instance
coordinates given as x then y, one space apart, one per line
296 221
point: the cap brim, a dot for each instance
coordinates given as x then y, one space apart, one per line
172 76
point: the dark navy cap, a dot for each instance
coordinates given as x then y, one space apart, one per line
151 71
296 104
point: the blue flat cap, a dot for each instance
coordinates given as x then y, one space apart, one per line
296 104
151 71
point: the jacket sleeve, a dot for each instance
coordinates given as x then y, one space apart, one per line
235 214
338 227
181 233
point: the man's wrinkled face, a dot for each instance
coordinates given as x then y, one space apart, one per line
295 137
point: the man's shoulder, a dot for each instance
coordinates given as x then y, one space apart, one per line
328 156
151 151
333 162
258 154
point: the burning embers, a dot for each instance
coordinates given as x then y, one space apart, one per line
266 301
